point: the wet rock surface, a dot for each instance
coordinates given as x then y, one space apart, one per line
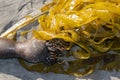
11 70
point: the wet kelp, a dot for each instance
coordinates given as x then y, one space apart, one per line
92 27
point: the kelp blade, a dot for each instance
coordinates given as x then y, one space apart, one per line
91 25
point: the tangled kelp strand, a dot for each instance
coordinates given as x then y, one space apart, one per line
92 27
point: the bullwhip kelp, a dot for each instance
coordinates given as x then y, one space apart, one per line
92 26
86 23
89 33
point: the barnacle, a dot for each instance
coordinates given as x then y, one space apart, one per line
92 28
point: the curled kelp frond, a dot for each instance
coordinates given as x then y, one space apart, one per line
86 23
92 25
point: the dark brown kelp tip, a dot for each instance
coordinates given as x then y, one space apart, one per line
31 50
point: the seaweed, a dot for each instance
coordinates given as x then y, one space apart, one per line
91 27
